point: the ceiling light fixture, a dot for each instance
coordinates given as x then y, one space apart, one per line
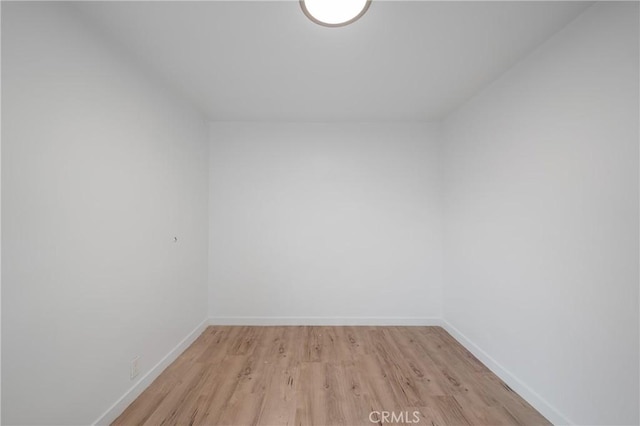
334 13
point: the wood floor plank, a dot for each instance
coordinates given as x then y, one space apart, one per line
447 410
279 405
325 376
221 389
311 400
185 389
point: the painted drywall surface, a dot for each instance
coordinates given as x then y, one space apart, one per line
320 221
0 226
100 170
541 208
244 63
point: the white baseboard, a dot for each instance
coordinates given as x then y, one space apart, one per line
528 394
424 321
121 404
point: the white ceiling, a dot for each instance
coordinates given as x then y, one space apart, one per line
266 61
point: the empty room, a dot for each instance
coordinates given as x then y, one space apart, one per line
320 212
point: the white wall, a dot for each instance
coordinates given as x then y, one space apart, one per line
324 223
0 227
541 184
100 170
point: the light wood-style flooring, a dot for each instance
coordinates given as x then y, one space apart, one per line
328 376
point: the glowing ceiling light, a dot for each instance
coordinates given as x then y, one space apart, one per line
334 13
